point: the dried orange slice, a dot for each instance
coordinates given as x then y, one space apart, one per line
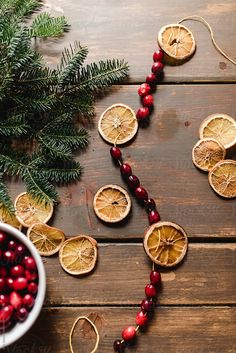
118 124
220 127
111 203
166 243
207 152
222 178
47 240
30 211
9 218
78 255
176 41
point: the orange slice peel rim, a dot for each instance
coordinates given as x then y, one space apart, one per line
220 183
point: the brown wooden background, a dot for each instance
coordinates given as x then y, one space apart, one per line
196 310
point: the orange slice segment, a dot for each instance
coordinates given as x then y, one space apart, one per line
47 240
176 41
118 124
222 178
78 255
220 127
207 152
30 211
8 218
166 243
111 203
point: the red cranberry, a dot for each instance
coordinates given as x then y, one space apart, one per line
4 300
9 282
29 263
15 300
20 250
153 217
147 305
31 275
8 257
22 314
28 301
115 152
142 113
2 284
133 181
158 55
141 318
155 277
150 291
144 89
6 314
32 288
12 245
157 68
3 272
119 346
148 101
20 283
151 79
129 333
150 205
125 170
141 193
17 271
3 238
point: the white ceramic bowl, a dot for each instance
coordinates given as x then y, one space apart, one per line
20 329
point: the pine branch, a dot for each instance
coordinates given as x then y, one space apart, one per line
5 199
46 26
55 148
62 172
19 8
14 126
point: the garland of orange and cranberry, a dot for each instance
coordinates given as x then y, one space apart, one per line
151 289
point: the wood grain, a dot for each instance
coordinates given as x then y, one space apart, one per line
129 30
207 276
161 156
196 330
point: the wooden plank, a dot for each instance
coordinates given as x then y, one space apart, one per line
161 156
196 330
108 31
207 276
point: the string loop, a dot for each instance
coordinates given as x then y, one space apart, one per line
72 332
202 20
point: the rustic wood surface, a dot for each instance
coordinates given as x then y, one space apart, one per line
196 305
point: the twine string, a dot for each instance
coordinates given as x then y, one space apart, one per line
207 25
73 329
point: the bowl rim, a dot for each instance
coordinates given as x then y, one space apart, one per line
21 328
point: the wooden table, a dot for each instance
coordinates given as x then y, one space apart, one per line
196 311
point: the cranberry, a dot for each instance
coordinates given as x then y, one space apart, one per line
3 238
154 217
115 152
32 288
29 263
119 346
9 282
20 283
151 79
148 101
28 301
157 68
12 245
6 314
4 300
3 272
158 55
125 170
150 291
133 181
143 113
31 275
2 284
129 333
15 300
141 318
141 193
144 89
20 250
9 257
155 277
17 271
147 305
22 314
150 205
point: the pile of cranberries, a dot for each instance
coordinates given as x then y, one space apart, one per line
18 281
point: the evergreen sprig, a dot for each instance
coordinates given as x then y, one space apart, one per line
40 108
